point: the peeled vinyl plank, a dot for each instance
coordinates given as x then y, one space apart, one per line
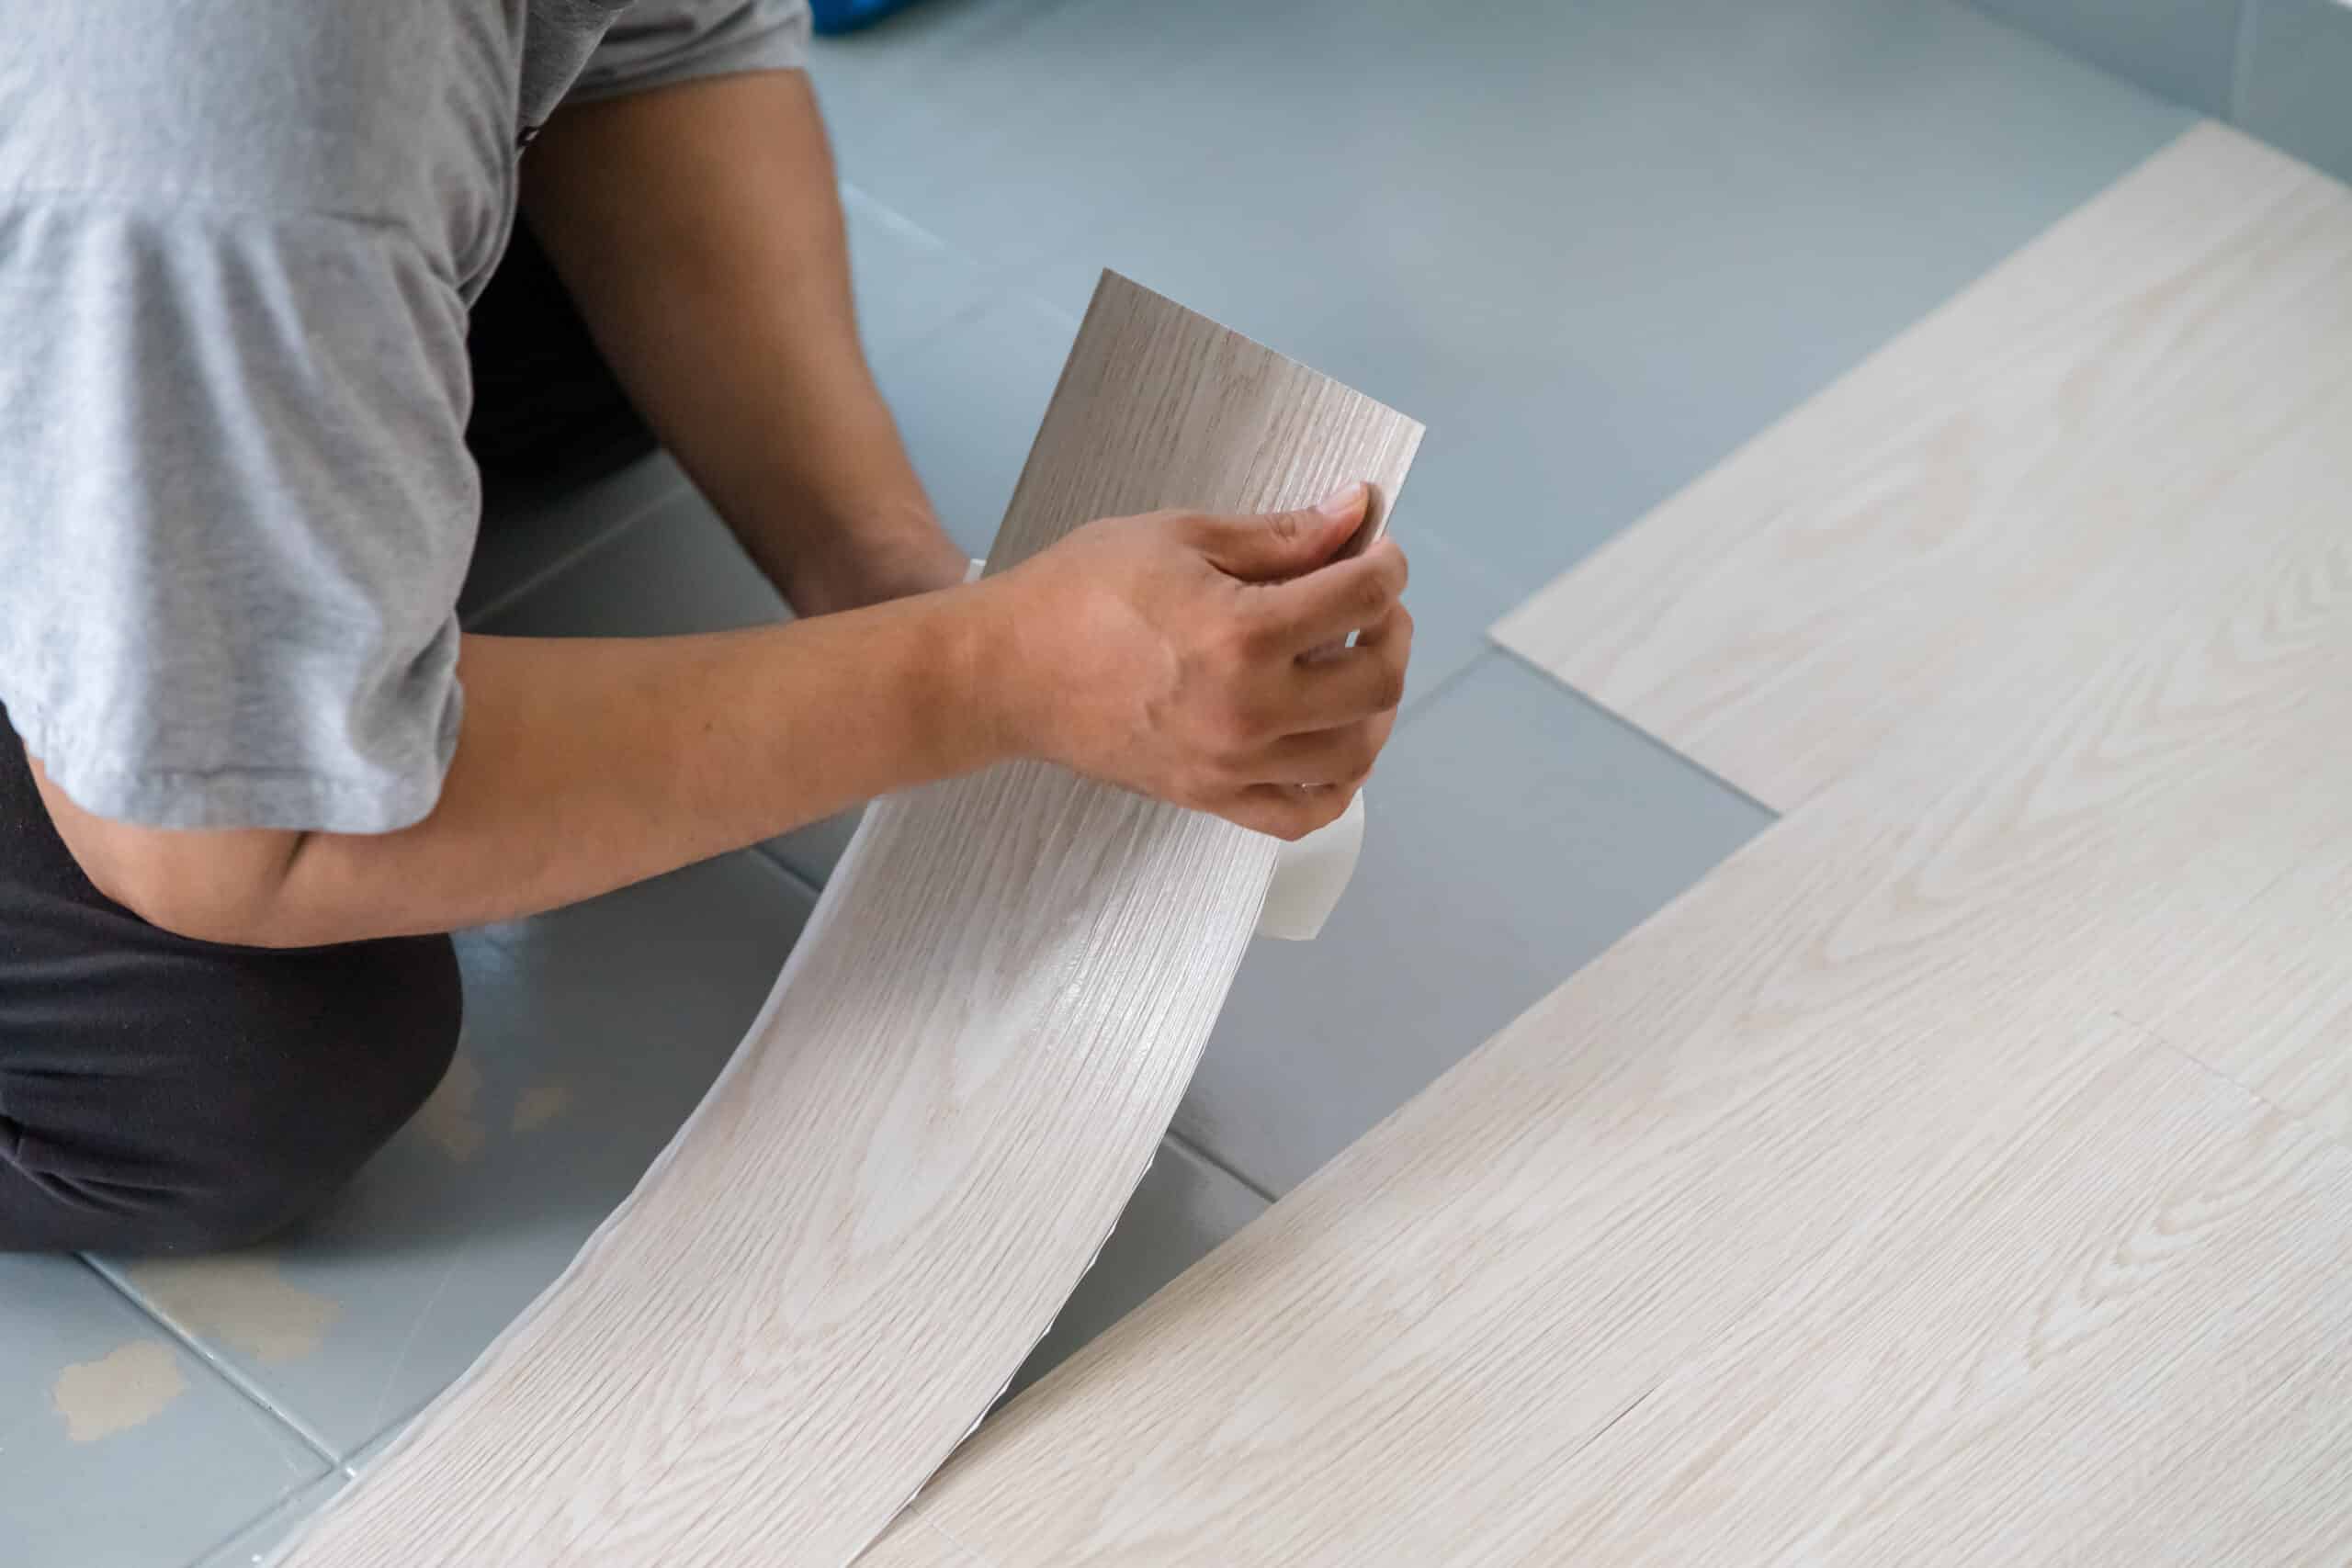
591 1033
1183 1208
928 1131
2059 428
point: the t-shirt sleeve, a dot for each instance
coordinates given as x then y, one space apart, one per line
656 43
237 508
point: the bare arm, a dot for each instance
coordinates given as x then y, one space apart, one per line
1161 653
699 229
1164 653
584 765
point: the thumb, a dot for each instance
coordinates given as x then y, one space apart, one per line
1275 544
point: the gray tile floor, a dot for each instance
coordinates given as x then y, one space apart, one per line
1592 246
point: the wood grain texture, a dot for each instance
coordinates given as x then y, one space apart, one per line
2269 1002
2054 433
912 1543
1929 1390
1844 1212
926 1135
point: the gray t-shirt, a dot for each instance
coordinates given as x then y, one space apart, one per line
237 246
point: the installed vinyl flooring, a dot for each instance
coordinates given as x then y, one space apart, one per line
1594 248
1953 1176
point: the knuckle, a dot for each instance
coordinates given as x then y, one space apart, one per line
1238 725
1256 635
1284 527
1388 687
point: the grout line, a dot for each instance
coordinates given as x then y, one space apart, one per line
2242 61
889 217
963 316
1420 701
531 583
1613 716
229 1373
776 863
209 1556
1205 1157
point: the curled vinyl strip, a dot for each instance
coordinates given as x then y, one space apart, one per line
928 1131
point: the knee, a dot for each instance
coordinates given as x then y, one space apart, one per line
303 1078
322 1096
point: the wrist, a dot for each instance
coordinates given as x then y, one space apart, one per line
980 659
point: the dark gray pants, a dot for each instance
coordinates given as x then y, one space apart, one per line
163 1095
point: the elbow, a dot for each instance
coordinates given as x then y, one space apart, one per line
226 886
235 910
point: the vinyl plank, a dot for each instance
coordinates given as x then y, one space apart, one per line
590 1034
967 400
912 1542
927 1133
1792 1070
2053 444
2151 1256
2270 1002
1184 1207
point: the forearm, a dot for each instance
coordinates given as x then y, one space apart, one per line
586 764
699 229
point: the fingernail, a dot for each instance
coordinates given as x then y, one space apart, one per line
1343 501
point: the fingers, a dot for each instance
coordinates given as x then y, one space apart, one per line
1285 811
1321 608
1342 686
1296 783
1277 545
1342 755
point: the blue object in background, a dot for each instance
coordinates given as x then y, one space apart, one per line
842 16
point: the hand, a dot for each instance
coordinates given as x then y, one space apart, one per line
1197 658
